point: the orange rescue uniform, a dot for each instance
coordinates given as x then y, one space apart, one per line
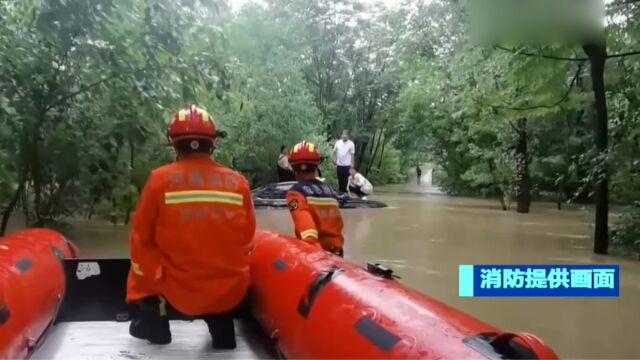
316 214
191 234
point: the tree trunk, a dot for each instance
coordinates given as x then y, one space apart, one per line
127 216
365 169
598 56
113 216
561 190
91 209
131 165
496 188
25 203
34 169
131 154
523 182
381 155
503 203
559 195
360 154
375 152
6 213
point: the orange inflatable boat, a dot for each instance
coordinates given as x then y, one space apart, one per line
32 284
319 306
307 303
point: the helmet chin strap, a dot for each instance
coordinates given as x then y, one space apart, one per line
213 145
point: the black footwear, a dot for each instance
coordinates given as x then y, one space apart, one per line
136 330
223 334
157 333
148 322
223 341
223 344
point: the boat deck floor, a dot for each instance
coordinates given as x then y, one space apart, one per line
94 340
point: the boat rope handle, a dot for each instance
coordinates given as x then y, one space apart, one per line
532 342
318 283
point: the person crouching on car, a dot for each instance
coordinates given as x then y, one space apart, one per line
312 203
190 238
358 185
285 173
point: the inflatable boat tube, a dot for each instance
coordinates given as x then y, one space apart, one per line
315 305
32 284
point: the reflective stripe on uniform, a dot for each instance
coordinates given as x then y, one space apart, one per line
309 233
136 269
205 116
200 196
182 115
162 306
322 201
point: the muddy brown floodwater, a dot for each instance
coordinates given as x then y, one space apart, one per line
424 236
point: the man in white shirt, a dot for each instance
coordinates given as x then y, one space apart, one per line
359 185
343 157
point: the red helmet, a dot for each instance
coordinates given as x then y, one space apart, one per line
304 153
191 123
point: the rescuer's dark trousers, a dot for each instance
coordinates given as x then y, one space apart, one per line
343 178
151 322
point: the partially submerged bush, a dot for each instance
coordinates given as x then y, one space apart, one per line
626 233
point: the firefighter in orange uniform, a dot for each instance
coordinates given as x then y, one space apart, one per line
191 233
313 204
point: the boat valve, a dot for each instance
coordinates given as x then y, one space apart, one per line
382 271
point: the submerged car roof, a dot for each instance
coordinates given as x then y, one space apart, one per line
277 197
290 183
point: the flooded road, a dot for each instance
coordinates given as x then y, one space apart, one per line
424 236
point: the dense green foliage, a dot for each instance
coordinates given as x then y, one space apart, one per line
522 122
87 86
626 235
